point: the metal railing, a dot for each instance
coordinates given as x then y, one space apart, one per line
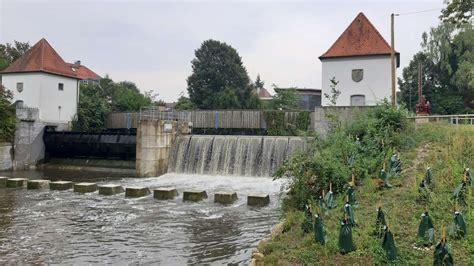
452 119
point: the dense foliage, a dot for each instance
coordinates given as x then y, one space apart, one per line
333 159
96 100
458 12
280 123
7 115
447 59
10 52
219 79
184 103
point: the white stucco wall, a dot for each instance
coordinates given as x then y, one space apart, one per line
40 90
375 85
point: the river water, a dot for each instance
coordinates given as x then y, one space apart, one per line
63 227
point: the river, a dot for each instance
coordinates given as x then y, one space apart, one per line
63 227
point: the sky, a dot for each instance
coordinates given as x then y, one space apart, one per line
152 43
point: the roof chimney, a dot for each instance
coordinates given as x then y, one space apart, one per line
78 62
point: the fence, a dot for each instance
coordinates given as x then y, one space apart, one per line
238 119
452 119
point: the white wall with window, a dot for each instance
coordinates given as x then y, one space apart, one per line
371 79
55 96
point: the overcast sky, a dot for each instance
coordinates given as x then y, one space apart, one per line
152 43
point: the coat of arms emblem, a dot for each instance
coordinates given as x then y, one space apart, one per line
357 74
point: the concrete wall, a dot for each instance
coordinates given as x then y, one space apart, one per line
6 154
154 142
345 113
29 145
40 90
375 85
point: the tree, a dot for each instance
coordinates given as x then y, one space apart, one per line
184 103
285 99
7 114
458 12
11 52
447 59
95 101
219 79
334 93
259 83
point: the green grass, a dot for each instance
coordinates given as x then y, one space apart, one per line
447 149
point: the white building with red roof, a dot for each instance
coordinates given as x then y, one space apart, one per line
360 61
42 79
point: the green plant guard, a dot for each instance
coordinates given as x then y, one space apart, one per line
388 244
428 179
384 177
351 195
467 174
322 205
380 223
345 237
395 165
307 220
458 228
459 194
319 230
442 253
426 229
329 199
349 211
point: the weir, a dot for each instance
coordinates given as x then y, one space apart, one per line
231 155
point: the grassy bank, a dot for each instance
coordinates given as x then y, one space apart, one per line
446 148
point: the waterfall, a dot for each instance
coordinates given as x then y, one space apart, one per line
231 155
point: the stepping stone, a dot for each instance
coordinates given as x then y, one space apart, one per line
194 195
85 187
38 184
165 193
17 182
225 197
3 181
110 189
137 192
258 200
60 185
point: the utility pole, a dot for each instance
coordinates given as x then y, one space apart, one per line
392 59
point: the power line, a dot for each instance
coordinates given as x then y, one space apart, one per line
421 11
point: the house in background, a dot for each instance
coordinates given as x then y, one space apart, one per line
360 61
42 79
308 98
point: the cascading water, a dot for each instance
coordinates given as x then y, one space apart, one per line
231 155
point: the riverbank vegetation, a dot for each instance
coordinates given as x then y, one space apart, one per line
362 148
7 115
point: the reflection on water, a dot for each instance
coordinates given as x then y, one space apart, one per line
64 227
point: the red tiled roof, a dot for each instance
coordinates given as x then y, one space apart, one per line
361 38
83 72
43 58
264 93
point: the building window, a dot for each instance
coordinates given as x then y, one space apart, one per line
357 100
19 86
60 86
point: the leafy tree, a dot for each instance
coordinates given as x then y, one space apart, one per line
447 59
285 99
458 12
11 52
7 114
219 79
95 101
184 103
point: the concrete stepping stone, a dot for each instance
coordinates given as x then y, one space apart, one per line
258 200
37 184
85 187
16 182
3 181
60 185
137 192
110 189
194 195
225 197
165 193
